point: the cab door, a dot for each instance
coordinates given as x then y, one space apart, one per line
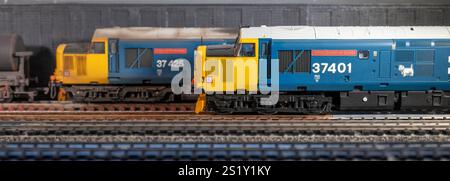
264 60
94 70
113 56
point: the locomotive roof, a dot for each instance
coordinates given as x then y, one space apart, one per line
165 33
347 32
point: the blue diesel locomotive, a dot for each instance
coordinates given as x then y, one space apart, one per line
321 69
129 64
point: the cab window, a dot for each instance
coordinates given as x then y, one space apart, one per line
247 50
76 48
97 48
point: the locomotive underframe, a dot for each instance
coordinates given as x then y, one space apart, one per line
89 93
326 102
287 103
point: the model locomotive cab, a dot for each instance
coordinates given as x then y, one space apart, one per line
82 63
321 69
241 73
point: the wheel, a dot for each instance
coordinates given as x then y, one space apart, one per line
225 111
6 95
267 110
6 100
324 109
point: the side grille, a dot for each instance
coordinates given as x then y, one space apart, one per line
285 58
81 65
425 56
425 63
424 70
404 56
302 60
68 63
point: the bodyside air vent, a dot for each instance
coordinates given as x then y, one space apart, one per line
81 65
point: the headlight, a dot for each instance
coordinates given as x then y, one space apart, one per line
209 79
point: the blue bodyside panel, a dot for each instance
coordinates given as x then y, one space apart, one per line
135 61
392 65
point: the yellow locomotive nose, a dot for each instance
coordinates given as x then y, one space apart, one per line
225 69
201 104
199 60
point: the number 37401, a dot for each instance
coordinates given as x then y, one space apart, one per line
332 68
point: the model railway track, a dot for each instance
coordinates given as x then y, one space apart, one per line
58 107
223 151
225 138
226 127
145 116
184 115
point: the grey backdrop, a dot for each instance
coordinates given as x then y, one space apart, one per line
46 23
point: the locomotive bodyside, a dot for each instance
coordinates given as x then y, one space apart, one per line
150 62
366 65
